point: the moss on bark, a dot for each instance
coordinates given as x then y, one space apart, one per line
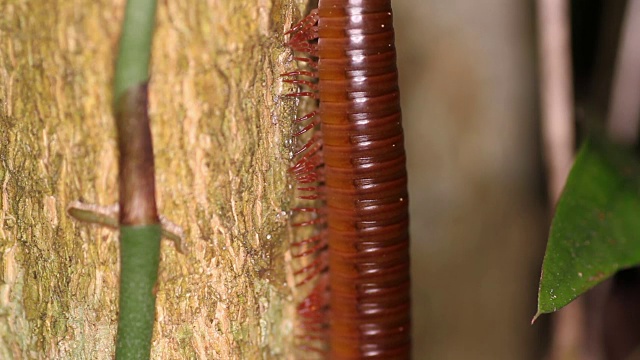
221 133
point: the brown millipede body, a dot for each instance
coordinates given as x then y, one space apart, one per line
353 166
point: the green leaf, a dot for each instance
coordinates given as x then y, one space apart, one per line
596 228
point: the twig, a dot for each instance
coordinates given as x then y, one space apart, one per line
140 229
108 216
556 94
624 107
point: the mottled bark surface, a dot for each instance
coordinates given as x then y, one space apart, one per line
220 131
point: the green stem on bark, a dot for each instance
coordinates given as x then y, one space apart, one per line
139 260
132 64
140 230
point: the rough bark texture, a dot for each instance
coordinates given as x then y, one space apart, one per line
221 134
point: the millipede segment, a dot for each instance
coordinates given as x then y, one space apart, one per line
357 166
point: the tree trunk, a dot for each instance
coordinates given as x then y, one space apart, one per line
221 131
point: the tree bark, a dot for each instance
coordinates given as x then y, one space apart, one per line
221 130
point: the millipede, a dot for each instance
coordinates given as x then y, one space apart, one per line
352 183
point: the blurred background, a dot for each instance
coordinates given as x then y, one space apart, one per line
469 73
